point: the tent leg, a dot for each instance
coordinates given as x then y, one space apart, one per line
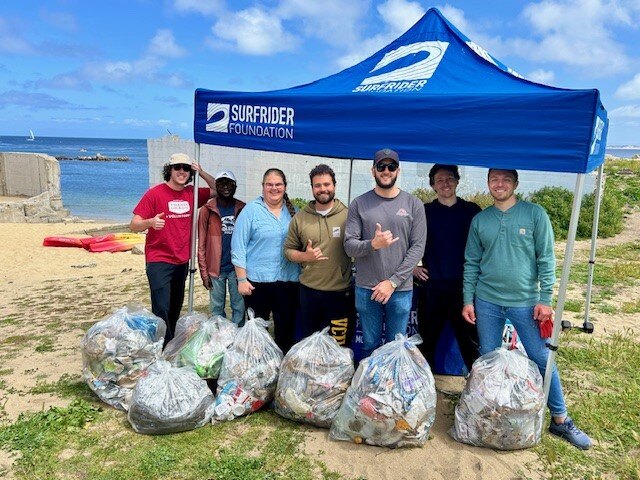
350 181
194 231
587 326
562 290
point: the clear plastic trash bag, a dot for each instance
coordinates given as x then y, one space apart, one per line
502 405
392 398
249 371
201 345
314 376
169 399
189 322
117 349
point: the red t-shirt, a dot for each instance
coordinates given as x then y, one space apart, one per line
171 244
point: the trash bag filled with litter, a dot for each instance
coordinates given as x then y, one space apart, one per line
249 371
392 398
169 399
314 376
201 345
117 349
502 405
189 322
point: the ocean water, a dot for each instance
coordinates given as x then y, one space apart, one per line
110 190
97 190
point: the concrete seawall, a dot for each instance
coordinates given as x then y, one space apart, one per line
30 189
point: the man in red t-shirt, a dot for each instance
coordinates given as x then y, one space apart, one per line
165 211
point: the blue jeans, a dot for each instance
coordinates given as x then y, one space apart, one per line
218 294
490 320
394 315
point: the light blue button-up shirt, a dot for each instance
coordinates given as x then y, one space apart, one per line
257 244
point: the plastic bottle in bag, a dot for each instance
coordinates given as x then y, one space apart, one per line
392 398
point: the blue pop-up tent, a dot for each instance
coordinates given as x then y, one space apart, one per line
432 95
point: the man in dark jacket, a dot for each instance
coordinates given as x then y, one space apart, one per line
440 298
315 240
216 221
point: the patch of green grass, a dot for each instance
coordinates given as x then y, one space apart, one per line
573 305
100 445
6 371
46 345
607 308
69 386
602 385
630 307
9 321
16 339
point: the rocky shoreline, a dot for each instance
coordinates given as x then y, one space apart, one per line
95 158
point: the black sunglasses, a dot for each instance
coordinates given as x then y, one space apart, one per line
181 166
392 167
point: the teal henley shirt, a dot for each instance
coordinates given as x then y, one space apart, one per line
509 257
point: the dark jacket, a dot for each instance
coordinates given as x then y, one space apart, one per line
210 238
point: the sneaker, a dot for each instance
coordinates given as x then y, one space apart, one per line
571 434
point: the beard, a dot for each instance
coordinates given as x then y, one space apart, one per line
387 186
320 198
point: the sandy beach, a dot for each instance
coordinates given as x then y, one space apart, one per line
50 296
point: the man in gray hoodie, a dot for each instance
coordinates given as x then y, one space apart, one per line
315 240
386 233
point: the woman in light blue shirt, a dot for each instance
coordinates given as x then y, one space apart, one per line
266 279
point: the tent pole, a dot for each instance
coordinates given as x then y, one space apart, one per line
562 290
594 238
194 230
350 180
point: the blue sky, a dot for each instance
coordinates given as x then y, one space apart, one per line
129 68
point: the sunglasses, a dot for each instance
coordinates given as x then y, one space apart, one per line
392 167
181 166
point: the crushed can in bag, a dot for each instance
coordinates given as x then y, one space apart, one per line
392 398
502 404
314 376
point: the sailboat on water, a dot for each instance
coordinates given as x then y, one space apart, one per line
31 136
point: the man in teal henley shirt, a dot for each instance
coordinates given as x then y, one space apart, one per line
509 272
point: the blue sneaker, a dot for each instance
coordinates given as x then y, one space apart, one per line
571 434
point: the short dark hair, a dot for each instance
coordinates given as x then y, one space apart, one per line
322 169
440 166
166 173
511 171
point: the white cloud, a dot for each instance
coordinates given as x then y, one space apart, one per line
541 76
627 111
60 20
400 15
11 41
576 33
334 21
397 17
630 90
205 7
253 31
164 45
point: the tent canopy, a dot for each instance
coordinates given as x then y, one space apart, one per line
432 95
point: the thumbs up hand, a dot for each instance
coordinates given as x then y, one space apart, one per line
157 222
382 239
313 254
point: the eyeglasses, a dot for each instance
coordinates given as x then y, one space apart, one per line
273 185
181 166
392 167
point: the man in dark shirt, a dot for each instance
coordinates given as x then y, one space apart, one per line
440 299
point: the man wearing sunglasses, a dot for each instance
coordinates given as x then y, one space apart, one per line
165 212
386 232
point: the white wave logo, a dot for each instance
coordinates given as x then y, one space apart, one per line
221 125
597 137
422 70
410 78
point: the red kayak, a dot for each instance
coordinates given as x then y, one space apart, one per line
102 238
59 241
